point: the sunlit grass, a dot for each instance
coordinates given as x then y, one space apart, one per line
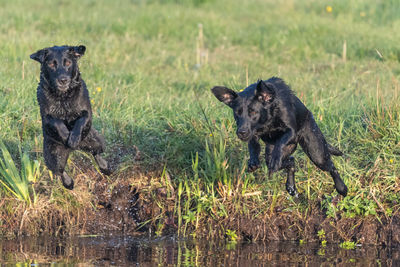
19 183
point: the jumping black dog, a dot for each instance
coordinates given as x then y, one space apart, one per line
65 110
269 110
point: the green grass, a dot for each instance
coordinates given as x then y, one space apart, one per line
155 72
19 184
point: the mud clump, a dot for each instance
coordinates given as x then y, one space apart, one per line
119 208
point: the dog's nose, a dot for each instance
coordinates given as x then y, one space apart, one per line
63 81
242 133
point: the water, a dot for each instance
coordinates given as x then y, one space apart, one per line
168 251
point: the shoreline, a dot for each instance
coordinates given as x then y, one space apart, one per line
153 207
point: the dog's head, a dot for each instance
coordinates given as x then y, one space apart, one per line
59 66
250 107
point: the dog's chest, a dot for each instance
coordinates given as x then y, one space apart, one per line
67 109
64 110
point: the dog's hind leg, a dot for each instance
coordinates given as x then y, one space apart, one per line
55 157
341 188
94 143
289 164
317 149
254 150
327 165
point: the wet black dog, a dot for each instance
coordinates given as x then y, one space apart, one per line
65 110
269 110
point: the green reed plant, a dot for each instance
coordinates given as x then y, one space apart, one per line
216 161
19 183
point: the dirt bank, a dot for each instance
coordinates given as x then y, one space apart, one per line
135 202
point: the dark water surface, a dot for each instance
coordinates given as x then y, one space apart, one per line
168 251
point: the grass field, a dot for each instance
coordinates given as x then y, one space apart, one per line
150 65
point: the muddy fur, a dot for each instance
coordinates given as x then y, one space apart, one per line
269 111
65 110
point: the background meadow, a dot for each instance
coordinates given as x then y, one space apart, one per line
149 67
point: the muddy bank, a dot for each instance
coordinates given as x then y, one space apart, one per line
134 202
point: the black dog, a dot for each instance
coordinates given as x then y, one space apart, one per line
65 110
269 110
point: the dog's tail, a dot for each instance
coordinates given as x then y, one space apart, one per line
334 150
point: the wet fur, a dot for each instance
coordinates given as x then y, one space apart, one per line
65 110
269 110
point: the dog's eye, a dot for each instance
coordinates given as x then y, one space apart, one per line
67 63
252 113
51 64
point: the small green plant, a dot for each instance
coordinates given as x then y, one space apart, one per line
389 212
348 245
353 206
189 217
322 237
321 252
231 235
179 210
20 184
350 206
159 228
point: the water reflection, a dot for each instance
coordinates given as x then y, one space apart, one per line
131 251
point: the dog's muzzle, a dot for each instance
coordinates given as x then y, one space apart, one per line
63 83
243 135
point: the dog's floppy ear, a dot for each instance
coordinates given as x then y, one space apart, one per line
77 51
225 95
40 55
265 92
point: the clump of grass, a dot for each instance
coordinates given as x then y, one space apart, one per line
19 183
215 192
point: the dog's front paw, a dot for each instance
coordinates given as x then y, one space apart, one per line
67 181
252 165
73 141
291 189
